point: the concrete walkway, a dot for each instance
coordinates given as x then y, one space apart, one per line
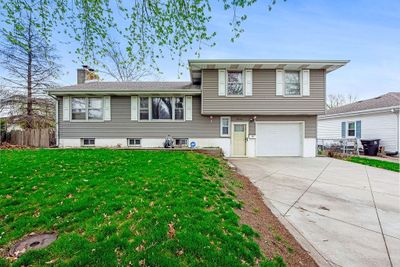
349 213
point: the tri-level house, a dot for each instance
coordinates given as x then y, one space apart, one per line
246 107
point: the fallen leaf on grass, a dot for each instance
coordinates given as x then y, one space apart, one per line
139 248
36 213
179 252
70 196
142 262
171 231
8 196
51 261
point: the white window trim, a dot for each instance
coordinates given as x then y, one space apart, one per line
229 126
87 109
134 145
226 83
173 109
347 129
300 81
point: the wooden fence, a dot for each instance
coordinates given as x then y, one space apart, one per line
32 137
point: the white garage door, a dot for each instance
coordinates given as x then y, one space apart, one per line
279 139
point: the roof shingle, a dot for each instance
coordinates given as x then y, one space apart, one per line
129 86
387 100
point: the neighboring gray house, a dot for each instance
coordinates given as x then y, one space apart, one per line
246 107
375 118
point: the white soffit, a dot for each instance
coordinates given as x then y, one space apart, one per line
328 65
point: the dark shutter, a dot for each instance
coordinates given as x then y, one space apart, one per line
358 129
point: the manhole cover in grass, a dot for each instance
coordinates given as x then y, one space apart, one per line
33 241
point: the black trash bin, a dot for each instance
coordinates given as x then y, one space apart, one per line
371 146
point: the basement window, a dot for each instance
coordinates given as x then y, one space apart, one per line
87 141
180 142
134 142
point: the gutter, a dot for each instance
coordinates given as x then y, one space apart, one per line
119 93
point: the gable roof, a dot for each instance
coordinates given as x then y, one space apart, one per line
387 100
127 87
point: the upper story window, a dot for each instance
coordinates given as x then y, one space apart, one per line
87 108
161 108
235 83
292 83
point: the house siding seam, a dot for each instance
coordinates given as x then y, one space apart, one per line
264 100
121 126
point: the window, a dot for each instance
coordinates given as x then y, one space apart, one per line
235 83
225 123
87 108
351 129
78 108
162 108
144 108
239 128
179 108
134 142
95 108
181 142
87 141
292 83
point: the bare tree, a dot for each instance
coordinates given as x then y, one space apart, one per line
337 100
121 67
4 95
30 63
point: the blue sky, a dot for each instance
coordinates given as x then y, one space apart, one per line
367 32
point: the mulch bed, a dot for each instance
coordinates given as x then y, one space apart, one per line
10 146
275 239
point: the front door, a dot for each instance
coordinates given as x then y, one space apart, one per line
239 139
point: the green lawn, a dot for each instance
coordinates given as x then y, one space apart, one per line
114 207
392 166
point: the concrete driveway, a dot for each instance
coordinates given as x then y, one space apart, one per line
349 214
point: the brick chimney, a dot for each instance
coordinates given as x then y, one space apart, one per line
86 74
81 74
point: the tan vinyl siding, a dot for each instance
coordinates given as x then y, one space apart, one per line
121 125
310 122
264 100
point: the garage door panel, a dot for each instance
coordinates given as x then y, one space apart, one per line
279 139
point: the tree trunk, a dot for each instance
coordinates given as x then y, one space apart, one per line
29 106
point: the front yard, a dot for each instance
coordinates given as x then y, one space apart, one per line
391 166
128 208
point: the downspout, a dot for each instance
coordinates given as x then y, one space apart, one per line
57 124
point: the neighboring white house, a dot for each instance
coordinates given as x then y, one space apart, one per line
376 118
